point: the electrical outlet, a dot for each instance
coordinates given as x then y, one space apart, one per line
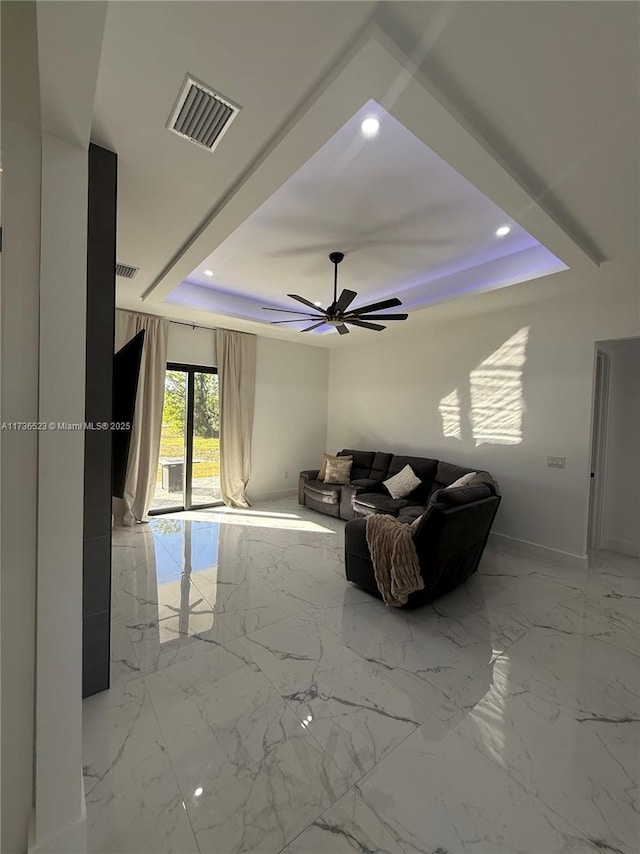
286 475
556 462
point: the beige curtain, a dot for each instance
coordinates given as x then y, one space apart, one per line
237 387
142 467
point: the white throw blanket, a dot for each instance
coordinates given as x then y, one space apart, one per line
394 557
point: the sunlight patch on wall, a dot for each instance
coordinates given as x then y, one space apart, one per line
449 409
497 403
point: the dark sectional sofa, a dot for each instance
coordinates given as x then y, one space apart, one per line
454 523
366 494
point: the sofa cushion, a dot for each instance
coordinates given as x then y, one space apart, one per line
367 483
372 465
378 502
403 483
327 493
424 468
380 466
362 462
411 513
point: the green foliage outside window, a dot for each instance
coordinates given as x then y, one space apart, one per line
206 414
206 422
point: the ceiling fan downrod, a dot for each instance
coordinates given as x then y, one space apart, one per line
335 258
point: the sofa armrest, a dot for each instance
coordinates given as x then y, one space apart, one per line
349 492
459 495
308 474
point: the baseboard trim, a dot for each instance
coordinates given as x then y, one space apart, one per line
625 547
70 840
545 553
274 493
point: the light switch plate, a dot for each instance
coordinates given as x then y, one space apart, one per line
556 462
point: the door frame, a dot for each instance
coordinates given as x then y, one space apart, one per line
599 439
190 371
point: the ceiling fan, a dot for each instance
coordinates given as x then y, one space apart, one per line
336 314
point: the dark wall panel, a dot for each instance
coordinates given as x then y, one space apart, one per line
101 261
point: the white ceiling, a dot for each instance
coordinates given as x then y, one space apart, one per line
409 224
543 89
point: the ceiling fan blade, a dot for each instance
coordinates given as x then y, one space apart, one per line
381 316
315 326
290 311
375 306
377 326
298 251
345 299
303 300
300 319
342 329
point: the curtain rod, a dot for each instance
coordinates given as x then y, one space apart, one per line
178 322
192 325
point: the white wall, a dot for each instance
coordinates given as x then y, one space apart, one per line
622 483
290 424
386 392
191 345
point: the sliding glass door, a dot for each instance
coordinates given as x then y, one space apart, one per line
205 463
188 474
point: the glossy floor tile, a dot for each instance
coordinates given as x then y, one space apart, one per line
251 776
260 703
132 795
349 825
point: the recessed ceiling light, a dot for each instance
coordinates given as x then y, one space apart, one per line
198 791
370 127
503 230
208 272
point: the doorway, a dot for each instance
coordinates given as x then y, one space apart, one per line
188 475
614 500
599 450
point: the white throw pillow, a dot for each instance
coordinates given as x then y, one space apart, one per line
465 480
403 483
472 478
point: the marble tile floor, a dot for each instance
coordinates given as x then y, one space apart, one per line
260 703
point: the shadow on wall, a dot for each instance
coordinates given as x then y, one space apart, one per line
495 391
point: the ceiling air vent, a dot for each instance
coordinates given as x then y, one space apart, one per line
126 271
201 115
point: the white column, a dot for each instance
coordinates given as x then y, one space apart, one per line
59 803
18 403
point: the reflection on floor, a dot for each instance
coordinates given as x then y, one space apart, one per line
262 704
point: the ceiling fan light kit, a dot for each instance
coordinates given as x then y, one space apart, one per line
336 314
